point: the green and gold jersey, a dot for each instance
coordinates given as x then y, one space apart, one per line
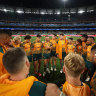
53 42
46 45
37 47
93 85
89 52
70 48
26 46
63 43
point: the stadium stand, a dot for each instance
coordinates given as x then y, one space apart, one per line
75 21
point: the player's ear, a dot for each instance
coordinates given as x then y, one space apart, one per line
82 72
27 63
64 69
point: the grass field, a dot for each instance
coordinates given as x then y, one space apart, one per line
53 77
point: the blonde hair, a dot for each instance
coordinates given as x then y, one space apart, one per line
75 64
17 38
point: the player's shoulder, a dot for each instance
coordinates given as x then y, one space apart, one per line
38 89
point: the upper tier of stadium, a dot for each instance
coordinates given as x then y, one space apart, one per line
31 15
30 19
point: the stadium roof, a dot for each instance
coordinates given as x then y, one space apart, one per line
48 4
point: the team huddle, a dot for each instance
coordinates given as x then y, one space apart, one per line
51 49
76 61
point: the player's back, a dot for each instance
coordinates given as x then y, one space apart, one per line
72 90
27 87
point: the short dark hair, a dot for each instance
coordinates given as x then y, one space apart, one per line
93 48
8 32
27 37
79 40
85 36
92 37
38 35
13 60
70 38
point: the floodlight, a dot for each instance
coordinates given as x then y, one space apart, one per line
81 11
73 12
50 13
58 13
19 11
5 10
91 10
42 13
28 12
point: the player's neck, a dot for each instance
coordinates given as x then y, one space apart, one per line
74 81
17 77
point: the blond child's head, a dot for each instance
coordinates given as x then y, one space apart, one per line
73 65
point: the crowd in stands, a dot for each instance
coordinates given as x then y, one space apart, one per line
53 32
29 18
